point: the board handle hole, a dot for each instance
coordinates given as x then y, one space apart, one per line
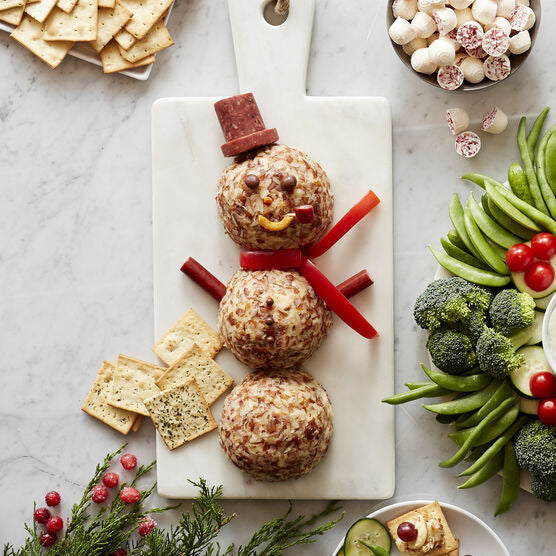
270 15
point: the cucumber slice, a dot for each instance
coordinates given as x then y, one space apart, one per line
530 407
535 362
542 302
369 530
536 329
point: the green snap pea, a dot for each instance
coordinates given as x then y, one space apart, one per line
476 453
550 162
458 220
458 383
485 472
479 179
505 205
504 220
484 204
535 133
456 240
461 418
532 213
481 245
461 255
500 251
415 385
503 392
461 405
546 190
518 182
468 272
490 227
497 445
510 483
432 391
493 415
529 169
497 428
375 549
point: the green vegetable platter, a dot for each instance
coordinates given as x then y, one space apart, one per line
484 312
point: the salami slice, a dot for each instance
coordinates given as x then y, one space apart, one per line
496 42
476 52
470 34
468 144
497 68
522 18
450 77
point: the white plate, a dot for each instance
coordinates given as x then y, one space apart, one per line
475 536
84 51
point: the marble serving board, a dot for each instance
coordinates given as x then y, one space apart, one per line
351 139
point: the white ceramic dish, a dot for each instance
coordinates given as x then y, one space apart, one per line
475 536
85 52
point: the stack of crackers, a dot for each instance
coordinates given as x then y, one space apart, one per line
177 398
124 33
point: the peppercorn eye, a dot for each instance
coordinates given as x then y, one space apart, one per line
289 183
251 181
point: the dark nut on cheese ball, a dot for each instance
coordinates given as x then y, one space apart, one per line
272 318
271 183
276 425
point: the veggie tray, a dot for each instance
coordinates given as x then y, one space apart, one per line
187 164
488 339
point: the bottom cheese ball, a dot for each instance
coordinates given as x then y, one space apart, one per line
276 425
272 318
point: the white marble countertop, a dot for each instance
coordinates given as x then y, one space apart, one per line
76 248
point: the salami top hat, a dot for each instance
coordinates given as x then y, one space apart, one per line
242 125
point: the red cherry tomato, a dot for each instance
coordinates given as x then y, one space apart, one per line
543 385
547 412
544 246
519 257
539 276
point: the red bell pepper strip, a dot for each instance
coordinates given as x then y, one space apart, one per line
202 277
269 260
304 214
335 300
344 225
357 283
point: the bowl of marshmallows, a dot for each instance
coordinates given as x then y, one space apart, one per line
463 45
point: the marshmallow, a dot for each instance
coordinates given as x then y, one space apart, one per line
473 70
460 4
463 16
495 121
520 43
421 61
502 23
414 45
445 19
405 9
457 119
442 52
423 25
428 6
484 11
505 8
522 19
401 31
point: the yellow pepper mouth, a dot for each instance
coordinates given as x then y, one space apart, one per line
276 226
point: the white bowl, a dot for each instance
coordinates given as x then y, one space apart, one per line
475 536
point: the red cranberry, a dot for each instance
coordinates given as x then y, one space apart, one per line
99 493
129 495
128 461
42 515
55 524
119 552
52 498
407 532
47 539
146 526
111 480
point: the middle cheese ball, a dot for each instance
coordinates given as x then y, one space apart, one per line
272 318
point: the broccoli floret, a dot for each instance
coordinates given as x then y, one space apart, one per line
544 488
535 448
511 310
496 354
474 325
449 301
451 351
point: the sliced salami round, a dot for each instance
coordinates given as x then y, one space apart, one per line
497 68
522 18
476 52
450 77
468 144
470 34
496 42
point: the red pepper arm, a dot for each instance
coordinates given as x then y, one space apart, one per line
337 302
344 225
269 260
357 283
202 277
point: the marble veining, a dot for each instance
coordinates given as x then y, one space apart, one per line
76 247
